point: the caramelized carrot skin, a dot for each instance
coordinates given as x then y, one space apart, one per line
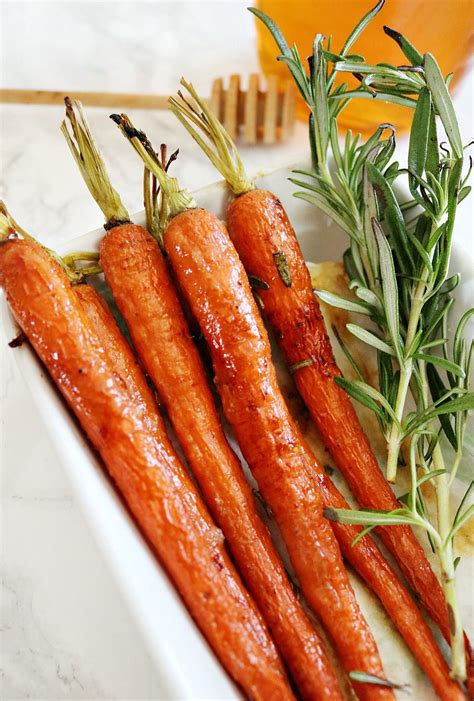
125 363
146 470
370 564
365 557
211 275
259 227
138 276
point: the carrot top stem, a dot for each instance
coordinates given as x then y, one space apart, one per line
9 227
216 144
177 199
156 206
91 164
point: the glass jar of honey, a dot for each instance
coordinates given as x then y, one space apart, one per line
442 27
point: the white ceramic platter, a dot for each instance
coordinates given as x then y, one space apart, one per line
186 666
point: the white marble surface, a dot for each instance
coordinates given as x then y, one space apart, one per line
65 631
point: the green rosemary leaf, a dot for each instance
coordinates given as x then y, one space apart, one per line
298 76
419 136
367 149
461 520
435 236
460 331
359 395
392 215
322 204
462 403
443 104
312 142
287 57
414 56
429 476
369 297
365 531
463 501
347 353
320 107
390 289
282 267
331 56
381 96
374 394
361 25
365 678
445 253
464 192
350 266
367 517
456 562
273 29
380 70
256 283
421 251
433 344
385 375
432 153
441 363
342 302
325 192
392 172
386 152
433 313
370 338
335 147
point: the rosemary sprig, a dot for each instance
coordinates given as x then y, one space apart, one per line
398 268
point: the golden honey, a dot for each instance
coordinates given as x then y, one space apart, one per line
443 27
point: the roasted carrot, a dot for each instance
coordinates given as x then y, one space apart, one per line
213 280
267 245
125 363
138 277
370 564
132 261
260 230
144 466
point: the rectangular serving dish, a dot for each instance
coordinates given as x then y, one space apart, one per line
185 664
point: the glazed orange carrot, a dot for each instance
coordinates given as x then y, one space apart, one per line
125 363
137 274
213 280
370 564
267 245
138 277
144 466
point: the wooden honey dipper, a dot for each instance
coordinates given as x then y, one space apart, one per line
252 115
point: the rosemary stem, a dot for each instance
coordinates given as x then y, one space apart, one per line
455 466
394 441
446 559
396 435
444 548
